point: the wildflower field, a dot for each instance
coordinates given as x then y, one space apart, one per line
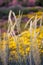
26 43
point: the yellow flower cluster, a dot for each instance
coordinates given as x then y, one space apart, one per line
22 45
39 13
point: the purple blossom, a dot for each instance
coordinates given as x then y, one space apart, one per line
25 19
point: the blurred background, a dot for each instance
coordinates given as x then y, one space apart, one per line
24 3
26 6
